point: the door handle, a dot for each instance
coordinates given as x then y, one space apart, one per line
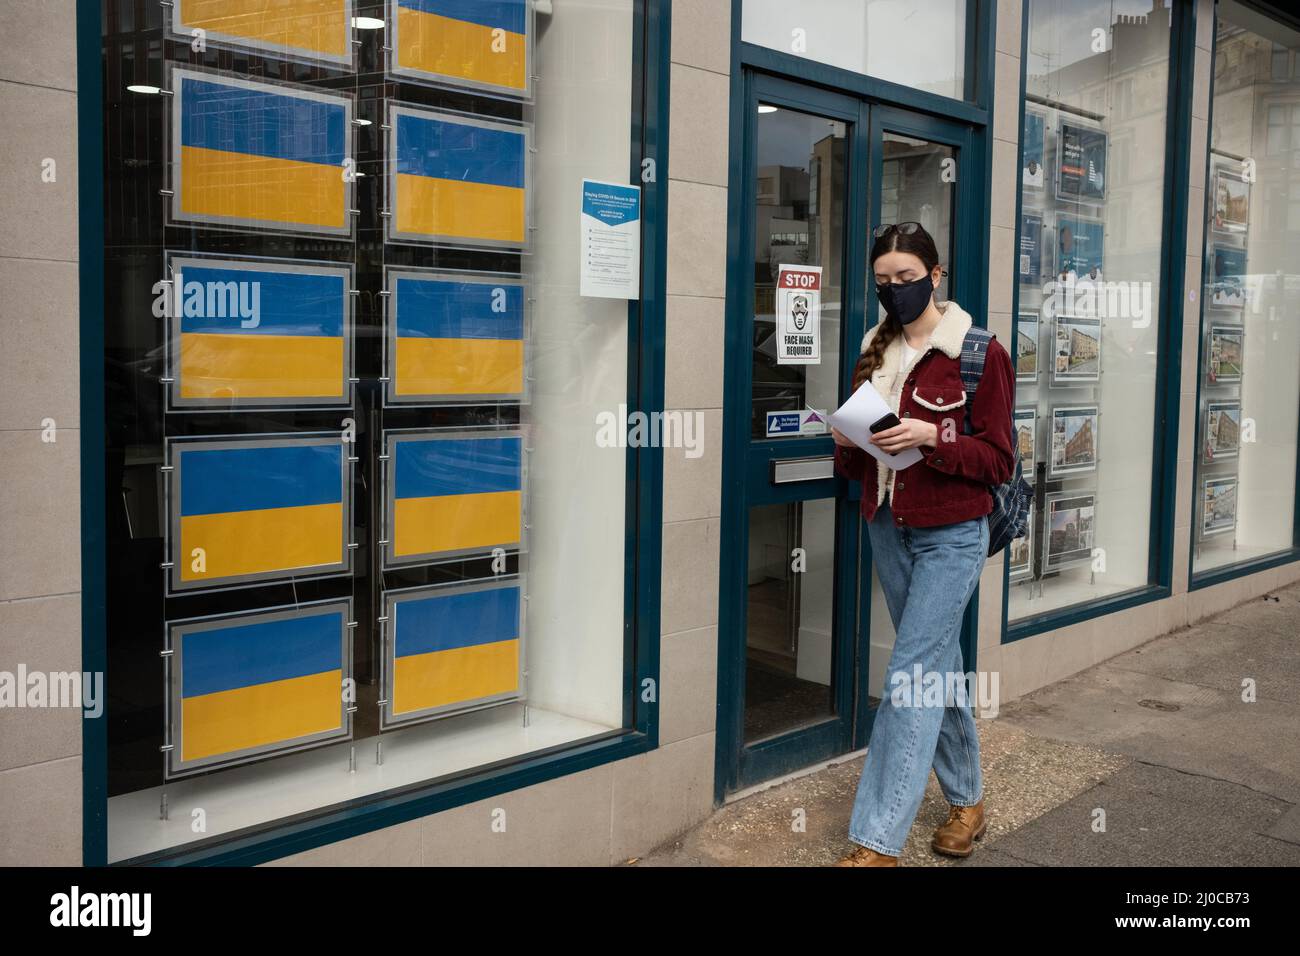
789 470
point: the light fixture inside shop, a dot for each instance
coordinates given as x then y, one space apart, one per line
140 88
367 23
765 108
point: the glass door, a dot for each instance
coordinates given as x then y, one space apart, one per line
790 541
798 635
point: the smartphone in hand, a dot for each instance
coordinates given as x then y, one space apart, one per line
889 421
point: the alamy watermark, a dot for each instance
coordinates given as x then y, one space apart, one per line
671 429
922 688
49 689
193 299
133 911
1091 296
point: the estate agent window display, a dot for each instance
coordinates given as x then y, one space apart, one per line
1059 343
363 536
1088 255
1249 374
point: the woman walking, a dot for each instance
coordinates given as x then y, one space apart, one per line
928 526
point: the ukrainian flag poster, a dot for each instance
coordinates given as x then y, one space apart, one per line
457 180
259 333
242 686
260 155
296 29
450 648
482 45
246 510
453 494
454 338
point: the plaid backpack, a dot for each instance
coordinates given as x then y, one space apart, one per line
1011 499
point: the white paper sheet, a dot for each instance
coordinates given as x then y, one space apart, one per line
855 417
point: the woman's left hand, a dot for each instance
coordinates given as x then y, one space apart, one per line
910 433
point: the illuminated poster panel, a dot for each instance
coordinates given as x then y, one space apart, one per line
457 180
453 494
455 338
259 155
249 510
246 685
483 45
295 29
451 648
260 333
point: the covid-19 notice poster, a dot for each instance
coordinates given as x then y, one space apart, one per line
798 315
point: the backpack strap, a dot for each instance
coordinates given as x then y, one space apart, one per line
974 347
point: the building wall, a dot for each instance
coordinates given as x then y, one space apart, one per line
602 815
40 530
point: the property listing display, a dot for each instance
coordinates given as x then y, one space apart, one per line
1247 415
246 685
1091 324
1059 331
1223 350
315 30
452 643
250 154
454 338
258 465
323 398
250 332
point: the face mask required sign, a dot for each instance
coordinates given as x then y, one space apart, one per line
799 315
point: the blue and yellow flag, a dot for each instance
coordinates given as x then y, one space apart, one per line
456 648
456 338
316 29
260 683
482 44
259 511
250 335
456 495
458 181
254 154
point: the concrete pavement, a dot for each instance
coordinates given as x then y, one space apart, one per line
1150 758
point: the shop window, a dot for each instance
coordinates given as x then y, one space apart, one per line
1090 246
916 43
362 531
1249 374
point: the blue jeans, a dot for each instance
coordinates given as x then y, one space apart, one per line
928 576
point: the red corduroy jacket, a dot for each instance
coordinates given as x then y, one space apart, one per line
951 481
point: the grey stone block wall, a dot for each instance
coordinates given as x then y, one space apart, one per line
40 534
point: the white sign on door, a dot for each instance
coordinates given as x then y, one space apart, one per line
798 315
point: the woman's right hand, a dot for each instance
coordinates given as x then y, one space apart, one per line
840 438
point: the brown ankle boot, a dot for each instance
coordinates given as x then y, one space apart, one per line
865 856
963 827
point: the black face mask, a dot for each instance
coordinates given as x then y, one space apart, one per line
906 301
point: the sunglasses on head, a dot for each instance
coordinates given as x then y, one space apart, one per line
902 228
